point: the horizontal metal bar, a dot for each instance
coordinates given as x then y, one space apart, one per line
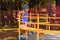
39 30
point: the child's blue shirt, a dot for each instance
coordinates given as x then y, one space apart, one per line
24 18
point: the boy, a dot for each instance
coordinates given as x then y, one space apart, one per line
24 14
24 18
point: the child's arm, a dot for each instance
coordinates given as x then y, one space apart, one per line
21 12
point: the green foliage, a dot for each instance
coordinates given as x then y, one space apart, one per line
43 3
32 3
53 1
58 29
4 5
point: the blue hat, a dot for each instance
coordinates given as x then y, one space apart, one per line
26 6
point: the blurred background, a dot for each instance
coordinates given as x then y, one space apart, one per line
10 8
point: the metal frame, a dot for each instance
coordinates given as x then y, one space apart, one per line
39 31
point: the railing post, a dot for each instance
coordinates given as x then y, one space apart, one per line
49 25
47 21
19 34
38 21
30 17
34 25
26 35
37 36
42 36
19 25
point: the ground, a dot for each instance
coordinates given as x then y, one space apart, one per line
10 33
47 37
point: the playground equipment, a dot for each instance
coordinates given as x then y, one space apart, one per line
37 29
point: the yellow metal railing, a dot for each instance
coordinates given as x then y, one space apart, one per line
38 30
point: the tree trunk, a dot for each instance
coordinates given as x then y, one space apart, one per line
49 7
2 15
11 13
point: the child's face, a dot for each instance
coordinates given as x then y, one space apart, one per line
27 9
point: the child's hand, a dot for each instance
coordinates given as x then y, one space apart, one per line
21 11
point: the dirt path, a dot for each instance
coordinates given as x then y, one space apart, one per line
12 33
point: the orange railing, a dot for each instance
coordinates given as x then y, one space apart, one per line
37 29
